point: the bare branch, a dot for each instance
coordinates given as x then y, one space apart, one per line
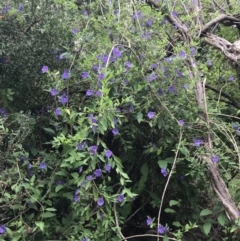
220 18
225 46
31 25
232 101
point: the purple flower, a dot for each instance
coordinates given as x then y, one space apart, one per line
149 221
108 168
20 8
93 149
215 158
100 202
98 93
80 169
192 51
120 198
2 229
174 14
149 23
181 122
85 75
84 239
172 89
89 177
128 64
64 99
57 112
54 92
3 111
115 131
23 158
164 172
89 92
81 145
116 52
6 9
131 108
75 31
235 126
43 166
44 69
59 182
108 153
209 62
98 173
160 92
231 78
76 192
138 15
93 119
162 229
179 73
76 198
164 21
66 74
151 114
154 66
60 57
197 142
29 166
105 59
182 54
152 77
100 76
95 68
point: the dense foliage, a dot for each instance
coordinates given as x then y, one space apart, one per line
117 118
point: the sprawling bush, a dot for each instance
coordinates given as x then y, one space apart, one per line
119 120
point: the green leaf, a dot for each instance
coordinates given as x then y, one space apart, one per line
34 151
47 215
49 130
221 219
169 210
40 224
139 117
162 164
165 238
103 122
177 224
142 182
205 212
51 209
125 175
207 227
32 179
68 195
173 202
75 175
127 208
61 173
144 168
122 181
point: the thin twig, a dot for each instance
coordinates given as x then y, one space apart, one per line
170 174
